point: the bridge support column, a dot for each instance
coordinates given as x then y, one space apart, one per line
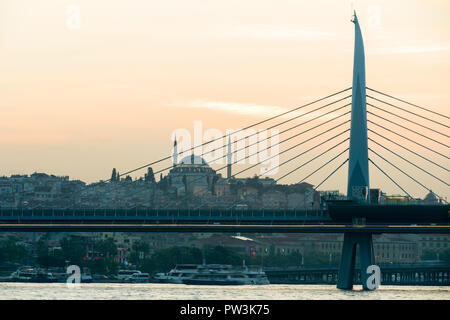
347 267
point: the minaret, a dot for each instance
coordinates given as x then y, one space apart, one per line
175 152
358 165
229 159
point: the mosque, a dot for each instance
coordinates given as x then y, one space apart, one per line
193 174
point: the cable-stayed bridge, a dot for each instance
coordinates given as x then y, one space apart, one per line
358 126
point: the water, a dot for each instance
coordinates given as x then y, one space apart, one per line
152 291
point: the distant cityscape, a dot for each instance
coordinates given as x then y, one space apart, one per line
302 249
190 183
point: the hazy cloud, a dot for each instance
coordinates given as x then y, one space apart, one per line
274 32
237 107
252 109
412 49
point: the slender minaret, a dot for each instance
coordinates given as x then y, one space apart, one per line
229 159
358 165
175 152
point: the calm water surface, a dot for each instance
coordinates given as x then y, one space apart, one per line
121 291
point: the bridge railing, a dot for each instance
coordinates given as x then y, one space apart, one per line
147 212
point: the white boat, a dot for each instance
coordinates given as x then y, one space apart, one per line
139 278
256 275
23 274
124 275
218 278
178 274
86 278
183 272
31 274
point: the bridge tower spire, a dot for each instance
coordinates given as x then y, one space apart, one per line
358 173
358 165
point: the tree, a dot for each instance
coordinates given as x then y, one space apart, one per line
222 255
314 257
136 249
10 251
73 252
163 183
293 259
103 266
113 175
165 259
150 177
44 258
106 247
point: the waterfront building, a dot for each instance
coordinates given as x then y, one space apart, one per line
273 199
192 175
222 188
246 191
392 248
431 198
433 242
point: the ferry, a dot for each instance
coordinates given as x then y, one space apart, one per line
256 275
178 274
183 272
217 278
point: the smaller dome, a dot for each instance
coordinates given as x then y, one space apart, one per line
193 159
431 197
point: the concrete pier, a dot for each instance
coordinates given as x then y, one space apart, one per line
347 266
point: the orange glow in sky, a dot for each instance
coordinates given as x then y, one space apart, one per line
88 85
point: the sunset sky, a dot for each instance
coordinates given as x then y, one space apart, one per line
108 90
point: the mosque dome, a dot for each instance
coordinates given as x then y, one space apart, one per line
192 165
193 159
431 198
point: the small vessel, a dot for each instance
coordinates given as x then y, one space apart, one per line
220 273
256 275
178 274
124 275
139 278
86 278
32 274
218 278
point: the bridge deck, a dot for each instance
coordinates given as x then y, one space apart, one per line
201 220
219 227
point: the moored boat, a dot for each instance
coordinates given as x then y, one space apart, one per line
221 274
32 274
178 274
216 278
